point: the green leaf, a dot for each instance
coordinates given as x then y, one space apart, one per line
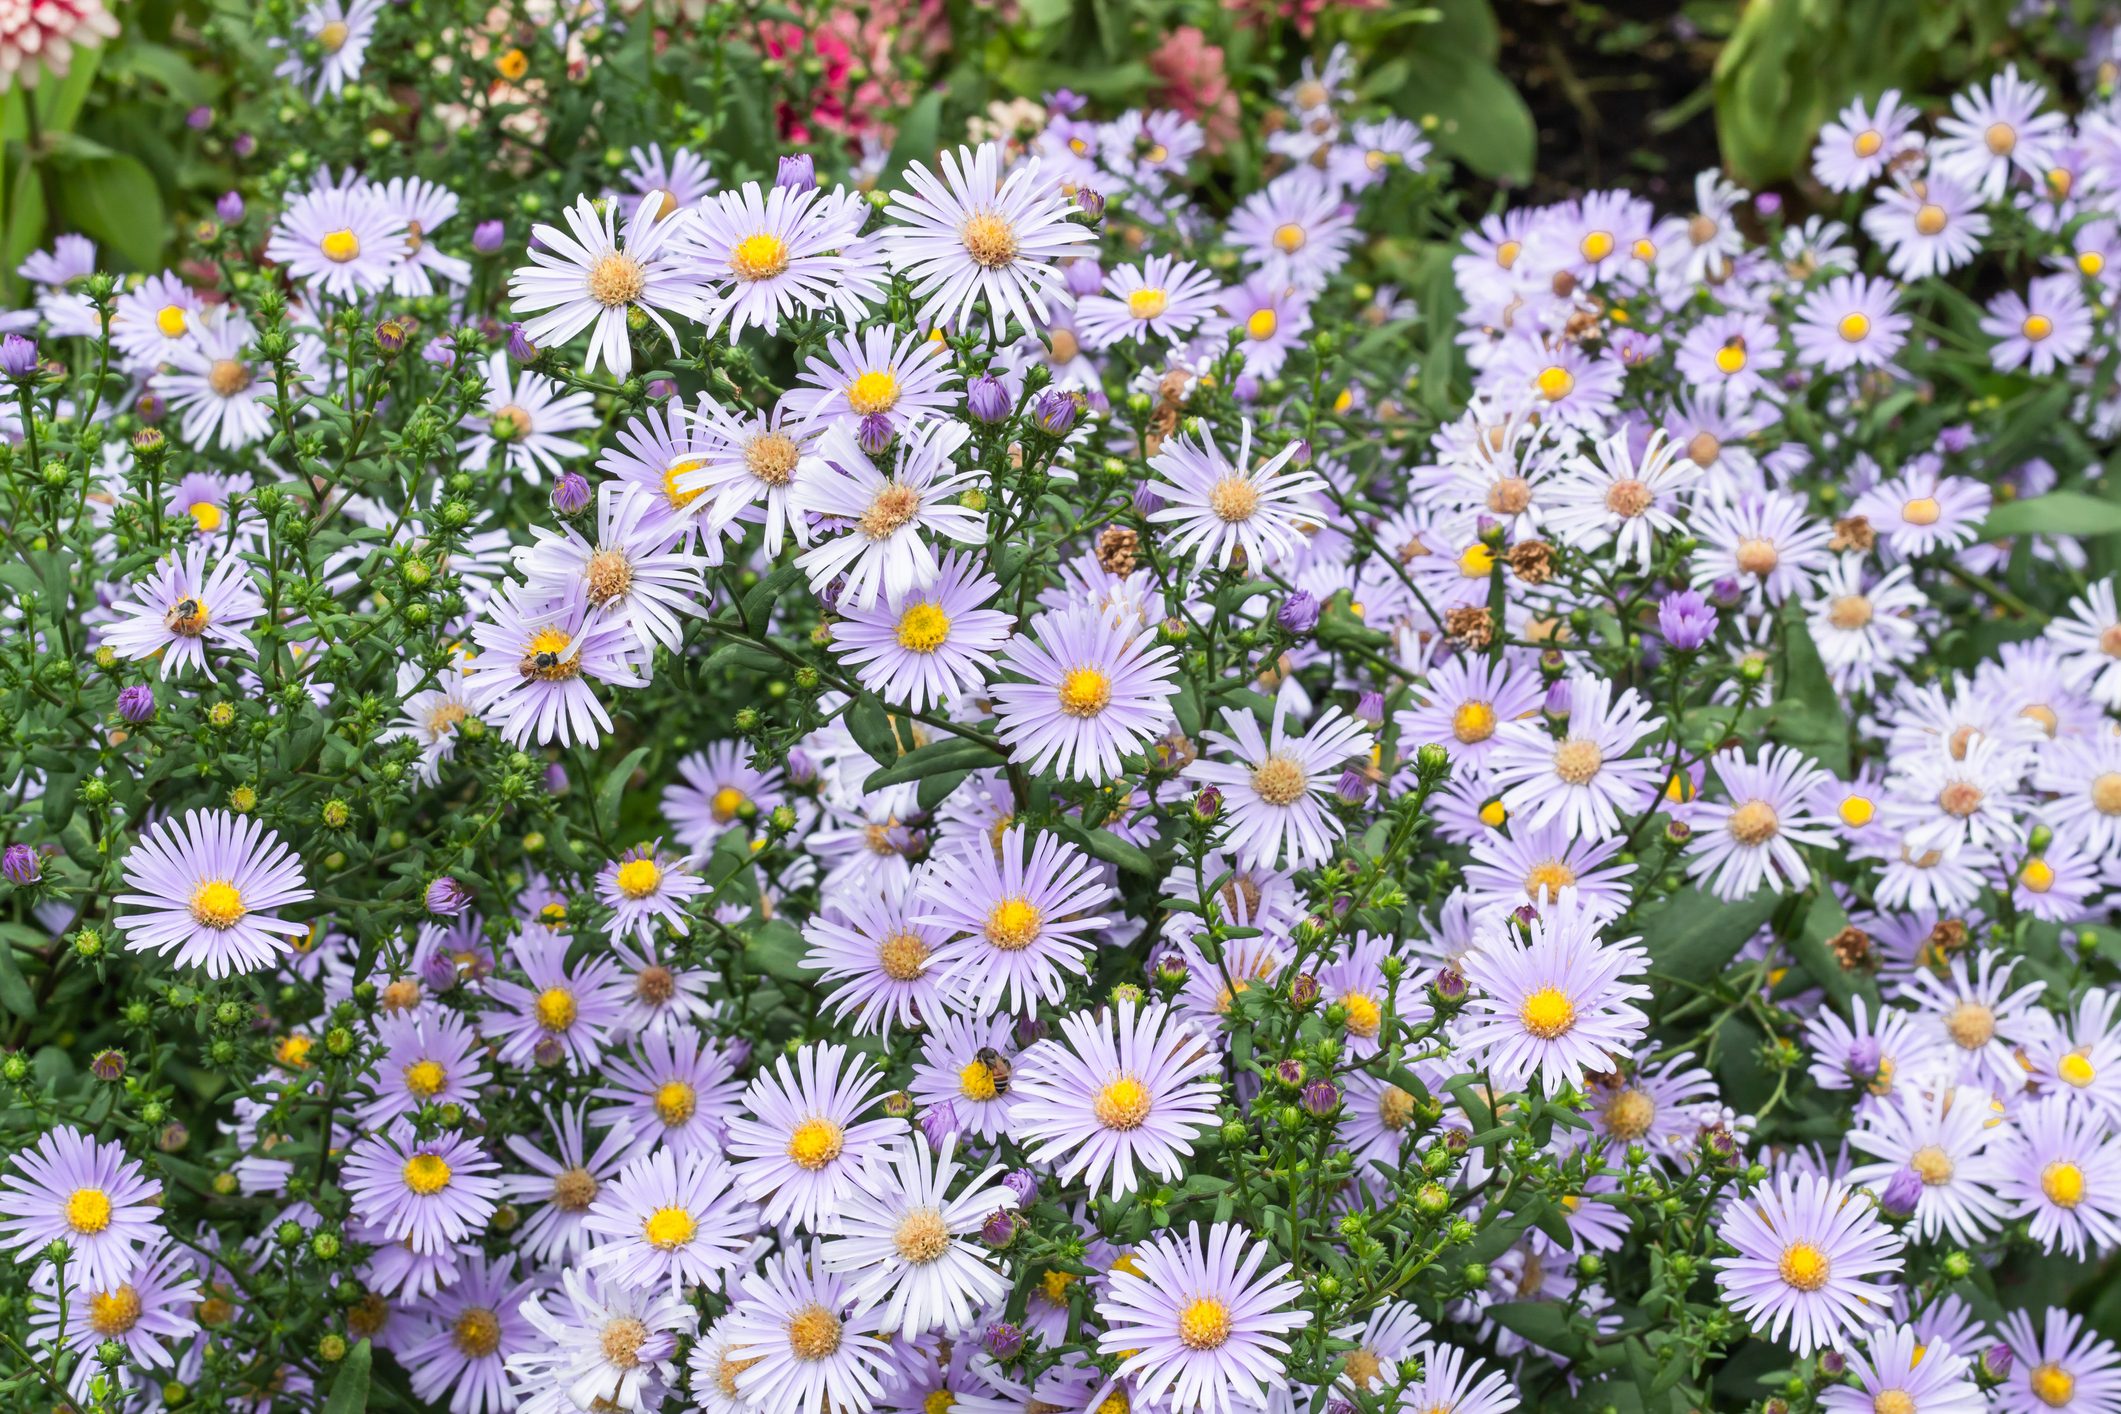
15 994
114 198
1480 119
1103 844
2056 513
952 753
1695 935
1810 714
918 133
776 948
759 602
349 1391
613 789
1544 1323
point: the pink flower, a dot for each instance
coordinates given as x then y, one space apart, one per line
40 34
1192 79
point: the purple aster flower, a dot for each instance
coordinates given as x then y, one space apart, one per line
2063 1364
796 173
662 1223
927 645
561 1013
136 702
470 1331
229 207
802 1136
209 889
1555 1006
145 1314
678 1090
1686 619
1056 412
446 898
1808 1250
429 1194
1200 1324
18 357
21 866
1097 686
1020 913
73 1188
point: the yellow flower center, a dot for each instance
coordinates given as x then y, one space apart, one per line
1279 781
1013 924
556 1009
607 576
1261 325
1147 302
2001 138
1395 1107
217 904
816 1143
88 1210
546 657
1596 246
668 1229
923 628
1476 561
1365 1016
1493 815
425 1079
1555 383
171 321
813 1333
1085 692
2091 262
2053 1385
1855 326
1930 218
2037 327
1123 1104
1805 1266
1857 811
477 1332
725 804
617 280
113 1313
340 246
1233 499
2075 1070
674 1102
1547 1013
1473 722
941 1401
1289 238
976 1082
573 1189
228 377
772 457
1577 760
1731 358
1868 142
678 497
1204 1324
902 956
893 507
637 878
1546 879
1932 1165
1506 254
2063 1183
426 1174
989 239
331 38
1849 612
206 515
759 257
621 1342
1893 1401
922 1236
2037 875
1971 1025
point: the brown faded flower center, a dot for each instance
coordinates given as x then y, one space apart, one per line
1756 556
1627 497
902 956
772 457
1577 760
1279 781
573 1189
608 576
1754 823
813 1333
1971 1024
617 280
893 507
1509 496
1849 612
989 239
228 377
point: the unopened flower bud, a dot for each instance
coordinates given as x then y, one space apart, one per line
571 494
873 436
987 399
21 865
446 898
229 208
488 237
1298 613
796 173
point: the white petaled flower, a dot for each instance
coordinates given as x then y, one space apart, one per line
537 654
636 571
1555 1006
1096 686
182 607
2090 638
1020 912
1161 297
1945 1140
211 378
661 1222
777 253
882 551
1861 630
424 206
1986 1022
1586 778
607 1346
902 1237
209 889
1273 810
754 466
801 1137
1752 838
1611 496
973 235
344 240
525 414
587 278
1218 506
796 1344
1200 1324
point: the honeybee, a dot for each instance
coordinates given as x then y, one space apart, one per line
997 1068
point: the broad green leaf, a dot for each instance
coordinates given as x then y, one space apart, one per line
349 1389
114 199
2056 513
1695 935
951 753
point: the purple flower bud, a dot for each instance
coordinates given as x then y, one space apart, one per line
1298 613
1321 1098
555 778
1354 787
1246 389
1557 702
1056 413
441 351
1864 1057
150 408
1767 203
1146 501
199 119
390 336
245 144
801 769
987 400
488 237
1023 1183
797 173
1956 438
136 703
229 208
1727 592
1525 914
1208 804
939 1122
18 357
1084 278
1003 1340
1450 985
661 388
1030 1030
519 346
1686 620
21 865
570 494
1996 1362
738 1049
1833 1364
1370 707
1290 1072
446 898
1303 990
874 435
1065 103
438 972
548 1053
1091 203
108 1066
1901 1193
1000 1229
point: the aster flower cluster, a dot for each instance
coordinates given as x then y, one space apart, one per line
1012 781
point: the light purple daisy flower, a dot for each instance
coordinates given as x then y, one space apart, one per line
798 1347
1129 1087
1098 686
1216 506
75 1189
644 887
182 606
902 378
1462 700
1161 297
682 179
1952 1140
2063 1363
965 1063
1662 1106
1020 913
775 254
678 1090
563 1184
1813 1262
879 959
1453 1381
928 644
662 1222
1532 864
1587 778
903 1238
1851 321
881 550
210 888
469 1331
343 240
556 1014
1928 227
2044 329
149 1310
1272 317
1555 1006
2064 1173
1296 230
430 1194
1275 790
430 1057
1855 149
1752 838
587 277
537 654
802 1137
1201 1323
1992 130
522 420
756 464
1900 1372
713 788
